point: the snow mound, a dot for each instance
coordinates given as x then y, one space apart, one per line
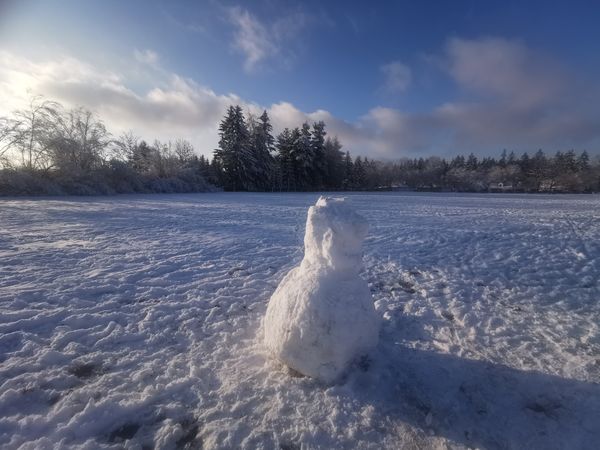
321 315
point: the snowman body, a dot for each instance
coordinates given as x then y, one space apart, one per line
321 315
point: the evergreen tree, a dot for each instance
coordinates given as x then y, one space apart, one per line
141 158
334 163
539 167
457 162
318 152
234 153
525 163
261 143
285 159
304 157
472 162
570 161
358 174
371 174
487 163
503 159
512 158
583 162
216 175
348 172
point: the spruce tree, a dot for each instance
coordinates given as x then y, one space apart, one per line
261 142
503 159
318 150
234 154
348 172
570 161
285 158
583 162
358 174
304 157
472 162
539 168
334 163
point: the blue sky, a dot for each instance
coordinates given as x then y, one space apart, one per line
391 79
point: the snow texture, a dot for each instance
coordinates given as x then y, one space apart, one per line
135 322
321 317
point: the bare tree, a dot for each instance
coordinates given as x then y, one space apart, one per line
33 131
126 146
8 135
79 141
184 151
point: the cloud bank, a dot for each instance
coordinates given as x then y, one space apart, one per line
508 96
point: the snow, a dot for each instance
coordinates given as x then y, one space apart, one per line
321 316
135 321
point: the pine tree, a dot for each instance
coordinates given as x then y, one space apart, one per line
539 168
371 176
285 159
472 162
583 162
348 172
525 163
570 161
457 162
512 158
216 175
503 159
141 158
318 151
358 174
334 163
304 157
261 142
234 153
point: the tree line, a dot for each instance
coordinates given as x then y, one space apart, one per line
562 172
250 158
48 149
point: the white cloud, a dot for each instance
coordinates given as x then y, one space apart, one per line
504 68
251 38
509 104
259 41
398 76
175 107
147 56
509 96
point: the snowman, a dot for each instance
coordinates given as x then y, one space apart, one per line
321 317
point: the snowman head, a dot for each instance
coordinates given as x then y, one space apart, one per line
334 237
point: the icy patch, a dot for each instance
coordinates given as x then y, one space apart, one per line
321 316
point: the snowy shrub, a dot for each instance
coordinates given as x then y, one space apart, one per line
19 182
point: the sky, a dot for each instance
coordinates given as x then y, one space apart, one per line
390 79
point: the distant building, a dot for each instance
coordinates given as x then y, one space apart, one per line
394 187
501 187
551 186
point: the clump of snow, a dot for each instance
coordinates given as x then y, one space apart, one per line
321 316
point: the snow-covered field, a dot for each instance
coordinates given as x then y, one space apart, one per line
135 321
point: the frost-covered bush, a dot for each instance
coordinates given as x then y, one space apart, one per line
122 178
21 182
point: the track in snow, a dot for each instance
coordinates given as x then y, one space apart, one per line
135 320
